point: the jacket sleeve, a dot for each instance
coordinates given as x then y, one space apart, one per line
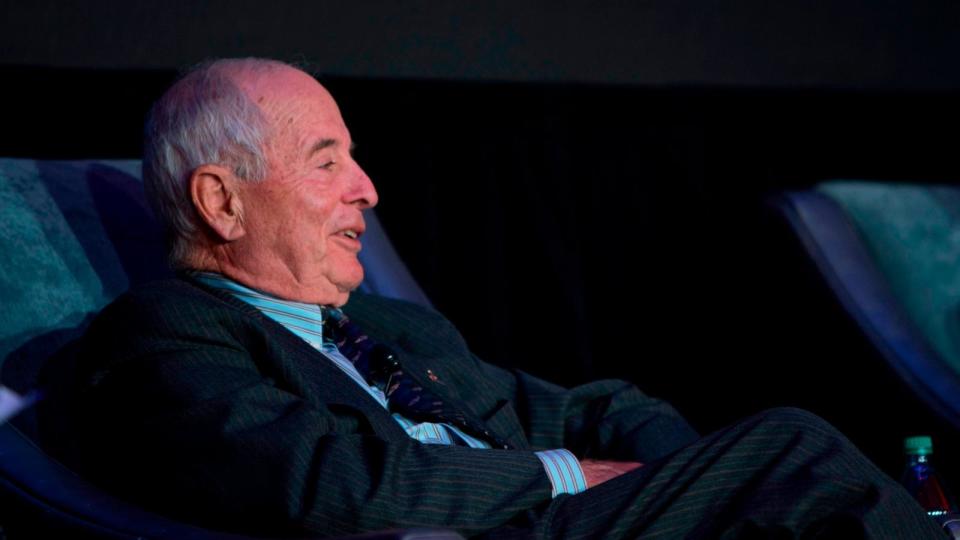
175 412
607 419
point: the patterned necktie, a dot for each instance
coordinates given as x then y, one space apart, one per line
379 365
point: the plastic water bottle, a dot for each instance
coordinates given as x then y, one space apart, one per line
920 478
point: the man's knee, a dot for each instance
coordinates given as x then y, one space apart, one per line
794 415
796 439
790 423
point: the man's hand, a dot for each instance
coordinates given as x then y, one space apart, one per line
597 472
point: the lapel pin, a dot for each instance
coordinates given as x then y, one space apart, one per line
432 376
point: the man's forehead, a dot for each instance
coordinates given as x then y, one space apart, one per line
281 87
298 106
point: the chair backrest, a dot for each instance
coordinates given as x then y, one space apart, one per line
891 254
76 234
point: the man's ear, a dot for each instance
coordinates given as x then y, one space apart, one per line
215 196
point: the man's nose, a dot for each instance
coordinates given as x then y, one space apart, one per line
361 191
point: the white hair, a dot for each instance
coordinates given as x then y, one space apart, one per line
204 118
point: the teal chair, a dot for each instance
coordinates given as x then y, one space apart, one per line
891 255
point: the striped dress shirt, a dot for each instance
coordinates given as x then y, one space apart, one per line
306 321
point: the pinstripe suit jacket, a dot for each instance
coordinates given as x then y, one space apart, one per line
197 405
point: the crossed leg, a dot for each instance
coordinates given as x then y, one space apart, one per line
784 473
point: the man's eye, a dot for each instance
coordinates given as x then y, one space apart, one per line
328 165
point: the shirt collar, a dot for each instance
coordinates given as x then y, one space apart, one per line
275 307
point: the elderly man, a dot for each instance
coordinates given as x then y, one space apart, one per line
256 393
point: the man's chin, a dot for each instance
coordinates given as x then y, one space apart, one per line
341 300
350 283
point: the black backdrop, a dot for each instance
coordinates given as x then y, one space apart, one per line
593 231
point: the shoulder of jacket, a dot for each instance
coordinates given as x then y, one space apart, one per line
165 299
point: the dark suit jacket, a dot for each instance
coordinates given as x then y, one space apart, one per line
197 405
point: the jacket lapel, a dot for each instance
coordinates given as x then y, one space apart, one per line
330 385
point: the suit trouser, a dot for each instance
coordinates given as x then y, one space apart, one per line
784 473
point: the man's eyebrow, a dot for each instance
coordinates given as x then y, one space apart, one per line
320 145
327 143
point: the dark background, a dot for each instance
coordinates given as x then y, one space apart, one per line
581 189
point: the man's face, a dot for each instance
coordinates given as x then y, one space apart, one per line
304 221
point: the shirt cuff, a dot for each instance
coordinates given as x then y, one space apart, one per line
563 470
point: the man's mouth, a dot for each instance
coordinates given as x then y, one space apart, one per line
351 234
